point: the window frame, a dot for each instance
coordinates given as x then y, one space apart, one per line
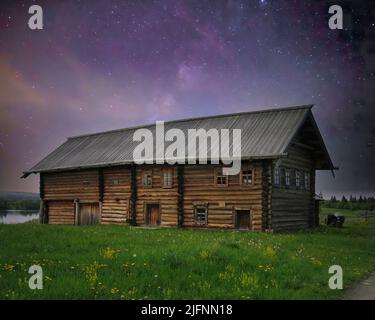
146 173
288 178
247 167
199 222
218 172
278 176
242 175
164 172
298 174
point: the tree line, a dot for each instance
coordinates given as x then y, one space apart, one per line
352 203
29 204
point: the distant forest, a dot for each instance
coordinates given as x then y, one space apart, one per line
353 203
19 201
19 204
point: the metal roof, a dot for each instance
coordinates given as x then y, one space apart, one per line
265 134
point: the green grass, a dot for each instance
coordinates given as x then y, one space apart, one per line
118 262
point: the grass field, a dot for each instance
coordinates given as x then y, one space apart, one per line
118 262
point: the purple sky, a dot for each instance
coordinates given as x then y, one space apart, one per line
101 65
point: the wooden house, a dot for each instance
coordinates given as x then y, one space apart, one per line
92 178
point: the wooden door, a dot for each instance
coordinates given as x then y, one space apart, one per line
243 219
88 213
154 215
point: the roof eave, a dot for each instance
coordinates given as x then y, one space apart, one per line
124 163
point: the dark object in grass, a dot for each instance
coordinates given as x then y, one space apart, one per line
335 220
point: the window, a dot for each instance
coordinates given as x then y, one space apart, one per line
276 176
247 177
307 181
147 180
287 177
298 180
86 182
167 178
200 215
115 182
221 180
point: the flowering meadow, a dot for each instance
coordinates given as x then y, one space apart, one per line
121 262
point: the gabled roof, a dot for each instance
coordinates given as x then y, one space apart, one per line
265 134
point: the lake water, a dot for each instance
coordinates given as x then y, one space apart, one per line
17 216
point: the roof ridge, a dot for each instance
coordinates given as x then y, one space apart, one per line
307 106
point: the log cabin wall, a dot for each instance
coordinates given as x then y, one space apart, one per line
270 206
116 195
293 207
61 212
60 189
72 185
200 189
267 173
157 194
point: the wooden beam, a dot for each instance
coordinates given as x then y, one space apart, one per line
41 186
76 212
180 199
133 196
303 145
41 212
101 184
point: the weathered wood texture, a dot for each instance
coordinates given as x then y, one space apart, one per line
167 198
123 195
116 195
267 182
133 196
60 212
82 185
293 208
223 201
181 191
89 213
60 189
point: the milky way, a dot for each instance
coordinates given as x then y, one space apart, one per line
100 65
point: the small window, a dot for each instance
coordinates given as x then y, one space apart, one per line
247 177
167 178
115 182
200 215
147 180
298 180
221 180
276 176
86 182
287 177
307 181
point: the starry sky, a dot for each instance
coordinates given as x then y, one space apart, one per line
100 65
